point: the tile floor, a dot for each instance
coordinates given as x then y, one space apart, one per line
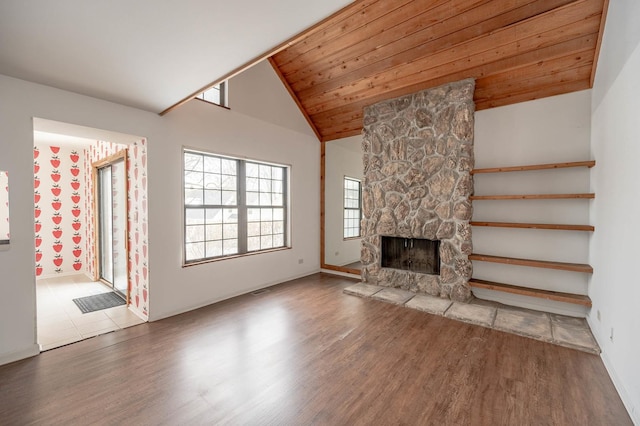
61 322
557 329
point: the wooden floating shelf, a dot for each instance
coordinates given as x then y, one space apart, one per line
588 164
562 266
543 294
532 197
535 226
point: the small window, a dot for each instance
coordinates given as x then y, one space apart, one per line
232 206
352 209
216 95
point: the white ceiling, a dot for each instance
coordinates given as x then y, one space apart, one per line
148 54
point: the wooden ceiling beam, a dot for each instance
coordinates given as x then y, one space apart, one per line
445 32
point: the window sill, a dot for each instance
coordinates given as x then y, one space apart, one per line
213 103
352 238
235 256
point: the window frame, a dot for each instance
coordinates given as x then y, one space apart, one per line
345 208
224 95
241 206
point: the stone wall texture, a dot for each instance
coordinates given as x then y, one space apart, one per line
418 154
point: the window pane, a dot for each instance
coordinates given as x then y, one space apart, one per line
229 247
214 248
213 198
253 184
230 215
214 232
278 240
265 171
195 233
229 183
193 197
266 214
192 162
212 165
229 198
193 180
276 173
230 231
253 229
266 242
194 216
212 181
252 170
253 243
278 214
253 198
277 200
214 215
265 199
253 215
194 251
228 167
266 228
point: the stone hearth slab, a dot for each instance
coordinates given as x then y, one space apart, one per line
474 314
526 323
572 336
362 289
430 304
393 295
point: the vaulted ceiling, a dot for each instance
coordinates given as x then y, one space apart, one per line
517 50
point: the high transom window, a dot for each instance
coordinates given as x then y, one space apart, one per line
232 206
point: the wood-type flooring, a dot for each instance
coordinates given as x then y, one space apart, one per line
305 353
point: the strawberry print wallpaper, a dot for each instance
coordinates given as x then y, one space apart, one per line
4 205
60 226
137 261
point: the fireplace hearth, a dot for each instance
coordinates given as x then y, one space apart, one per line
411 254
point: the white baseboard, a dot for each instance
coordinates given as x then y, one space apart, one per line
17 356
342 274
634 412
163 315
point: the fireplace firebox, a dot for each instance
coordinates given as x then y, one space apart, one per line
411 254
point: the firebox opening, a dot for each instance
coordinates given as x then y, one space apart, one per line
411 254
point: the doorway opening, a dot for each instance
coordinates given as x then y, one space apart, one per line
90 237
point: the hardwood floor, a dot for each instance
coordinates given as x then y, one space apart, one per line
305 353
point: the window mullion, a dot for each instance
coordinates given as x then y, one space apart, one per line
242 207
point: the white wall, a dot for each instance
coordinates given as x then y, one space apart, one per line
549 130
259 93
173 289
615 288
343 157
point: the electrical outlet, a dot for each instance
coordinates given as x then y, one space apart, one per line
611 335
598 315
300 261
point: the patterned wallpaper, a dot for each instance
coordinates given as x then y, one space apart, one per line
59 219
4 208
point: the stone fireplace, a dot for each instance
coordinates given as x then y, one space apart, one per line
418 154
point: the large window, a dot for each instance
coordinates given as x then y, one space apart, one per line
216 95
352 209
232 206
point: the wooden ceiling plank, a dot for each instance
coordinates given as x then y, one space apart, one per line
575 46
378 34
351 29
467 55
540 92
530 34
352 119
326 32
442 34
515 77
516 87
